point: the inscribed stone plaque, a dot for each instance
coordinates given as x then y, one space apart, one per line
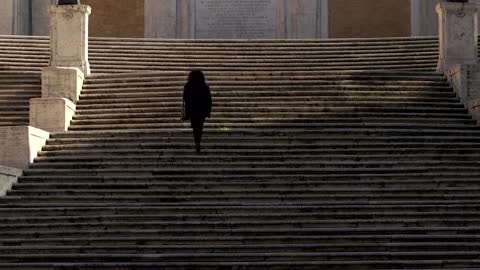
235 19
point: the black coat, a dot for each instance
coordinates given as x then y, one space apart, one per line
197 100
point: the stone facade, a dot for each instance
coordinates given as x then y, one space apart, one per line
363 21
258 19
270 18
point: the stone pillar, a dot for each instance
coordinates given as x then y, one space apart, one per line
40 19
20 145
458 34
8 177
69 36
6 17
63 80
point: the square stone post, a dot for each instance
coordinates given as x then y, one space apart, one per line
69 36
458 34
62 81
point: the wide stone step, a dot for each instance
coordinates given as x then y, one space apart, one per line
328 74
267 76
222 95
370 264
223 232
377 155
235 121
313 125
333 218
169 53
265 131
99 184
170 79
389 134
340 176
364 241
239 248
320 168
251 152
274 121
7 107
43 211
243 224
281 265
231 118
321 194
277 100
213 60
112 68
256 108
253 260
258 164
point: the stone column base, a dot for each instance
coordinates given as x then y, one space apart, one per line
51 114
20 145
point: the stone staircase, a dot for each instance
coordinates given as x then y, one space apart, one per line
363 161
16 90
107 55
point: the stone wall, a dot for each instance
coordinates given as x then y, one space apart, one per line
116 18
369 18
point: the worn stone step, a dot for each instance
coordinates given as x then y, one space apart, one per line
231 118
244 224
251 153
258 164
115 124
85 209
223 95
39 183
258 108
341 176
112 68
422 135
360 240
252 260
380 74
229 194
364 76
232 248
270 81
272 121
256 216
369 264
445 156
277 100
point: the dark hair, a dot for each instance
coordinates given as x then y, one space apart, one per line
196 76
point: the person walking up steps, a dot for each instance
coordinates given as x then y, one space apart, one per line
197 102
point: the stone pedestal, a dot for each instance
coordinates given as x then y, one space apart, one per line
62 82
51 114
458 34
20 145
465 80
69 37
8 177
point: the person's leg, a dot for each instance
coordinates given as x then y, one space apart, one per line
197 126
